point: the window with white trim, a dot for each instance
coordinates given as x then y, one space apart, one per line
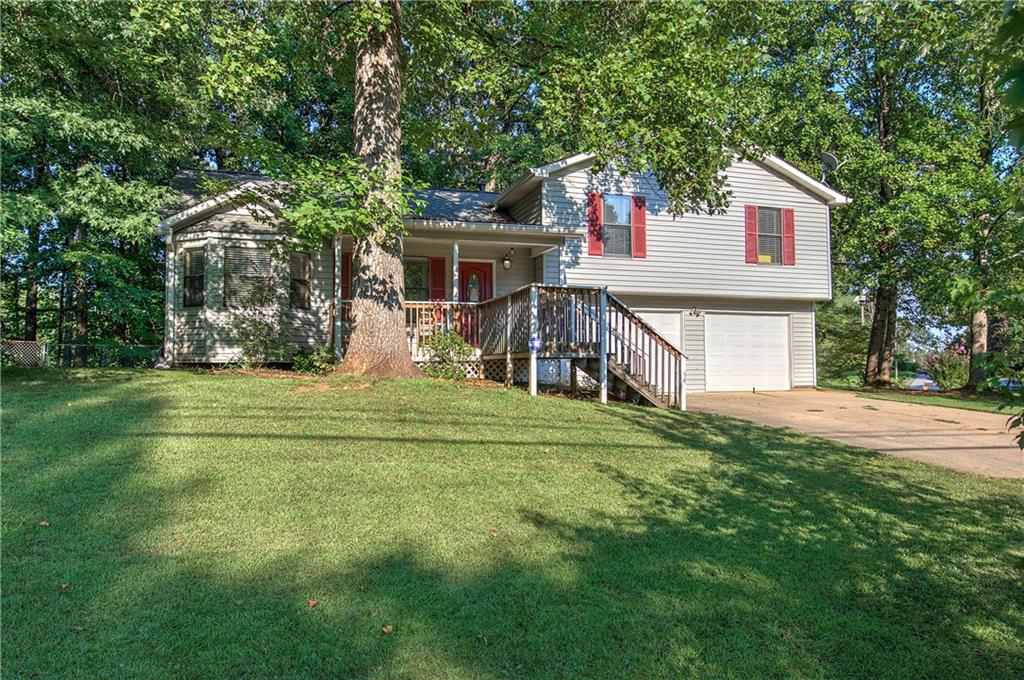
195 270
769 235
248 277
617 227
417 279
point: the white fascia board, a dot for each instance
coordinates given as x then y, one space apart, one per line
830 195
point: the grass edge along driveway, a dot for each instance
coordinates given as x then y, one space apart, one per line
192 522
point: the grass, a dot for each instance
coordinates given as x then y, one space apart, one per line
192 518
971 402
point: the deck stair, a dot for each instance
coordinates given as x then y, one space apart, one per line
584 325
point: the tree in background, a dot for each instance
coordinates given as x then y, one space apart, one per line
101 102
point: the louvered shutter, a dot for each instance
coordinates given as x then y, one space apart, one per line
346 276
639 222
299 272
437 278
245 271
750 215
595 208
788 236
194 283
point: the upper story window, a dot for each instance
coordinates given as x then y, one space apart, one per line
769 235
417 279
301 271
195 268
617 227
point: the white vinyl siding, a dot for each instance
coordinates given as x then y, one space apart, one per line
695 254
694 313
528 209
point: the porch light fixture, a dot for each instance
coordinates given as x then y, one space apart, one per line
506 262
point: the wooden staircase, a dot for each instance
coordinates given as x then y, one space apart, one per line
642 365
627 386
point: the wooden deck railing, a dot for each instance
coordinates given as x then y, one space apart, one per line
570 322
426 319
645 354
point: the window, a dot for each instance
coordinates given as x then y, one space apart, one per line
769 235
248 280
616 232
300 275
195 266
417 279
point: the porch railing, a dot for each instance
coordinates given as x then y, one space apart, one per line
426 319
569 322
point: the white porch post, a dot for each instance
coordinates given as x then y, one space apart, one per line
534 330
682 382
455 271
603 330
170 291
338 270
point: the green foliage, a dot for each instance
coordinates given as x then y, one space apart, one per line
841 338
949 367
257 323
1011 35
323 197
319 361
449 354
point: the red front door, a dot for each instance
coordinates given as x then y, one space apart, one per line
475 281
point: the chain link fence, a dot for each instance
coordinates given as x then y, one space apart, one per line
30 353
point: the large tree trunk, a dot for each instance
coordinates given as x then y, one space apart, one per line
988 102
32 285
882 344
378 345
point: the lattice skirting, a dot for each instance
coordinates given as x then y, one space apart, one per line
473 368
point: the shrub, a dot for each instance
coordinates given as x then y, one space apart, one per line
450 353
949 368
319 361
256 324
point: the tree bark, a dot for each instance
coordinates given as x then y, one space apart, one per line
882 343
32 284
378 346
988 102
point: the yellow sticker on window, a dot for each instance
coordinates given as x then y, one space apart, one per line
764 259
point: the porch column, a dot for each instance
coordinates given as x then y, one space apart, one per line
455 271
336 293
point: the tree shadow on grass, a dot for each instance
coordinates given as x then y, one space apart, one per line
778 555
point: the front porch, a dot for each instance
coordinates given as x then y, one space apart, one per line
587 327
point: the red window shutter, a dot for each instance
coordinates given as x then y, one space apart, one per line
750 213
437 278
346 276
788 236
639 220
595 220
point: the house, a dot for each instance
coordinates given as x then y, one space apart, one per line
727 298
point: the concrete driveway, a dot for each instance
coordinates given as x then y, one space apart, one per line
969 441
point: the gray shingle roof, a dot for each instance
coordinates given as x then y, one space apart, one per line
186 183
438 204
460 206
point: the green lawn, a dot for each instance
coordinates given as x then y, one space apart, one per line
983 402
193 518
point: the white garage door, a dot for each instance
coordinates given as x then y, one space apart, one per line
666 323
747 351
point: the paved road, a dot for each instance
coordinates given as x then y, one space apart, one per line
970 441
